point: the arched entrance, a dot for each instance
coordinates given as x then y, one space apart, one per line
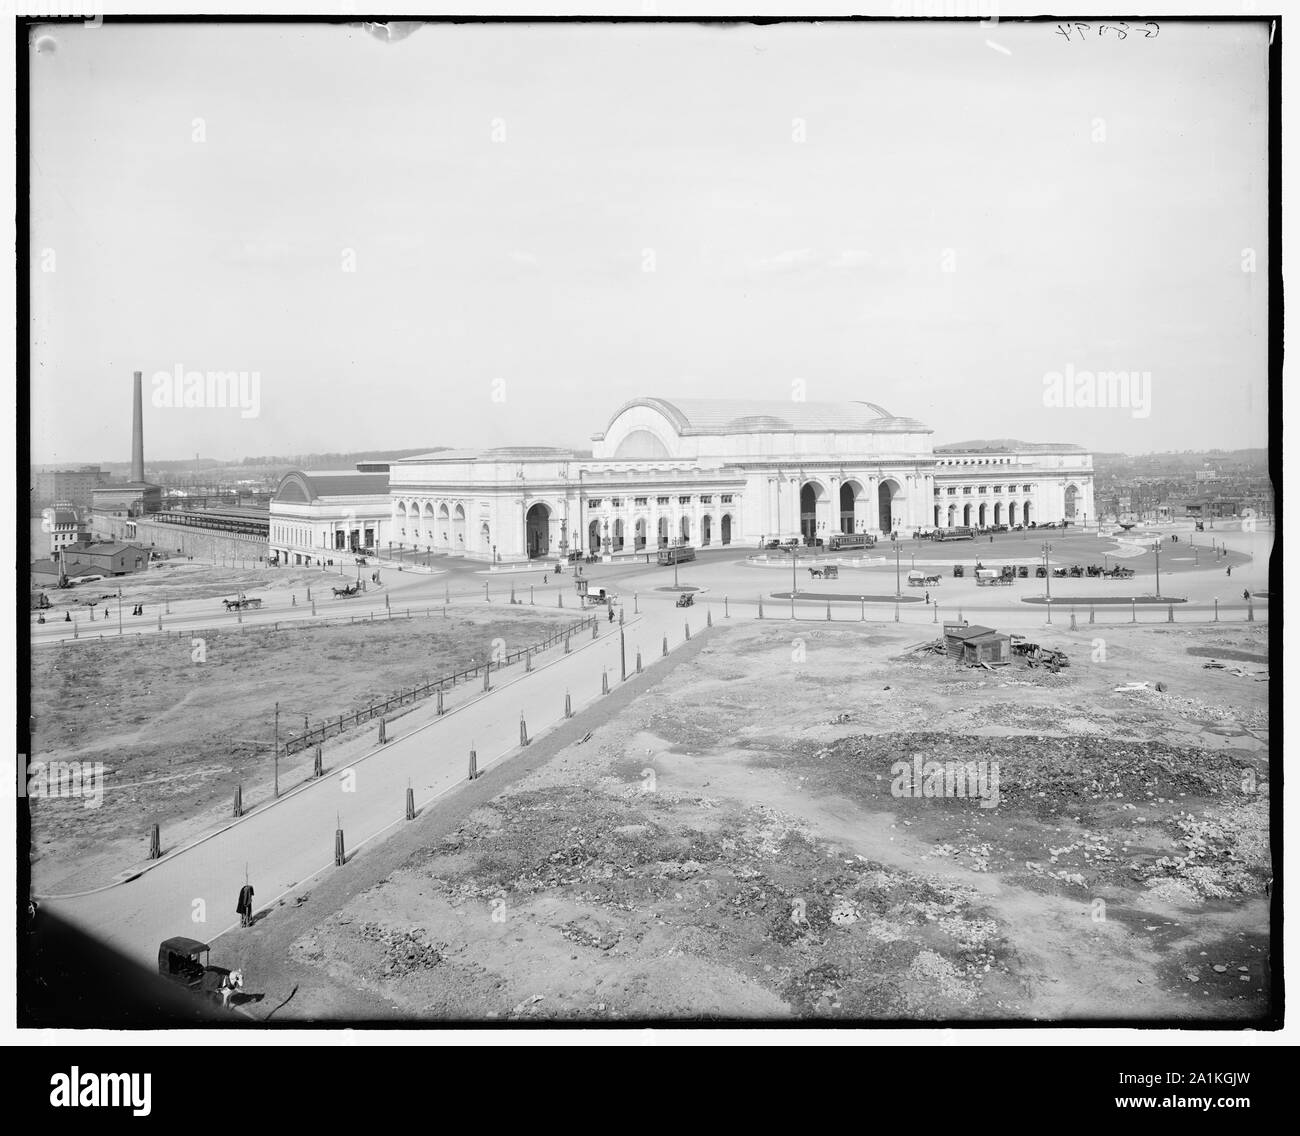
997 513
401 518
618 536
937 510
686 530
428 525
1027 517
706 529
639 533
809 494
851 492
965 515
443 537
726 528
952 516
1071 501
1011 514
663 532
537 530
485 538
458 528
593 537
982 522
885 496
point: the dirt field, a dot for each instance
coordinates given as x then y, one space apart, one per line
177 734
734 845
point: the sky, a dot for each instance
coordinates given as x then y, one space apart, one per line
483 235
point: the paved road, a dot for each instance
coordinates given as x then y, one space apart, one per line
284 845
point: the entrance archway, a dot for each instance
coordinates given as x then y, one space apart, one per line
443 537
981 515
686 530
885 495
965 515
997 513
484 538
706 529
851 492
810 493
1011 514
537 531
639 533
726 528
663 532
1027 517
952 516
1071 501
458 528
593 537
937 510
618 536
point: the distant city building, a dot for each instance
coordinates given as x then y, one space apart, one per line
74 487
319 515
65 525
106 558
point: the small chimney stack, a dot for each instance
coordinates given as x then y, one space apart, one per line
137 433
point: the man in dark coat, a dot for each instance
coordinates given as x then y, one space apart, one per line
245 905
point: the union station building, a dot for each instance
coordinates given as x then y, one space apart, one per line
705 472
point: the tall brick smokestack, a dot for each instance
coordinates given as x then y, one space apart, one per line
137 432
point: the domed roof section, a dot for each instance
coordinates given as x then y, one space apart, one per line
753 416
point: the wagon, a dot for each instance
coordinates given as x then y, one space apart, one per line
831 571
916 579
958 570
687 600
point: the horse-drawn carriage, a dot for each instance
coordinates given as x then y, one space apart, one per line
686 599
185 962
988 578
829 572
587 595
241 603
347 591
922 580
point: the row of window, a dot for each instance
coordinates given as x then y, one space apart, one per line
974 461
952 490
617 502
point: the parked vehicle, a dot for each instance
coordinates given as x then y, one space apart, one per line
958 570
678 554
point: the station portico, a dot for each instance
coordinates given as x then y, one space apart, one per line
712 473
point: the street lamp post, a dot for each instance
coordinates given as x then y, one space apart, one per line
898 570
1156 546
794 576
1047 568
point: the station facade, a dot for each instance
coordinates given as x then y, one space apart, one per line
704 472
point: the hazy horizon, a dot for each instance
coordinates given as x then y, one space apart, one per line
497 234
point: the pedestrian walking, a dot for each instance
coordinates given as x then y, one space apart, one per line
1245 594
927 597
245 905
1229 569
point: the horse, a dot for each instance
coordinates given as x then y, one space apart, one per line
816 573
230 985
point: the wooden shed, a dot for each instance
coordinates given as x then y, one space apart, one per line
973 643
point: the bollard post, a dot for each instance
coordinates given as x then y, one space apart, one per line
1133 604
387 605
1049 611
604 682
567 648
828 611
528 662
319 769
1250 611
708 622
340 856
473 763
1073 625
487 594
568 705
726 607
523 730
487 676
595 629
665 646
936 614
895 612
440 700
530 594
560 597
1216 609
313 607
1171 614
410 803
155 842
636 609
638 660
383 731
1092 614
446 594
239 801
760 607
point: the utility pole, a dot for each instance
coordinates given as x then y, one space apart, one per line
1156 546
277 750
119 610
794 576
622 653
